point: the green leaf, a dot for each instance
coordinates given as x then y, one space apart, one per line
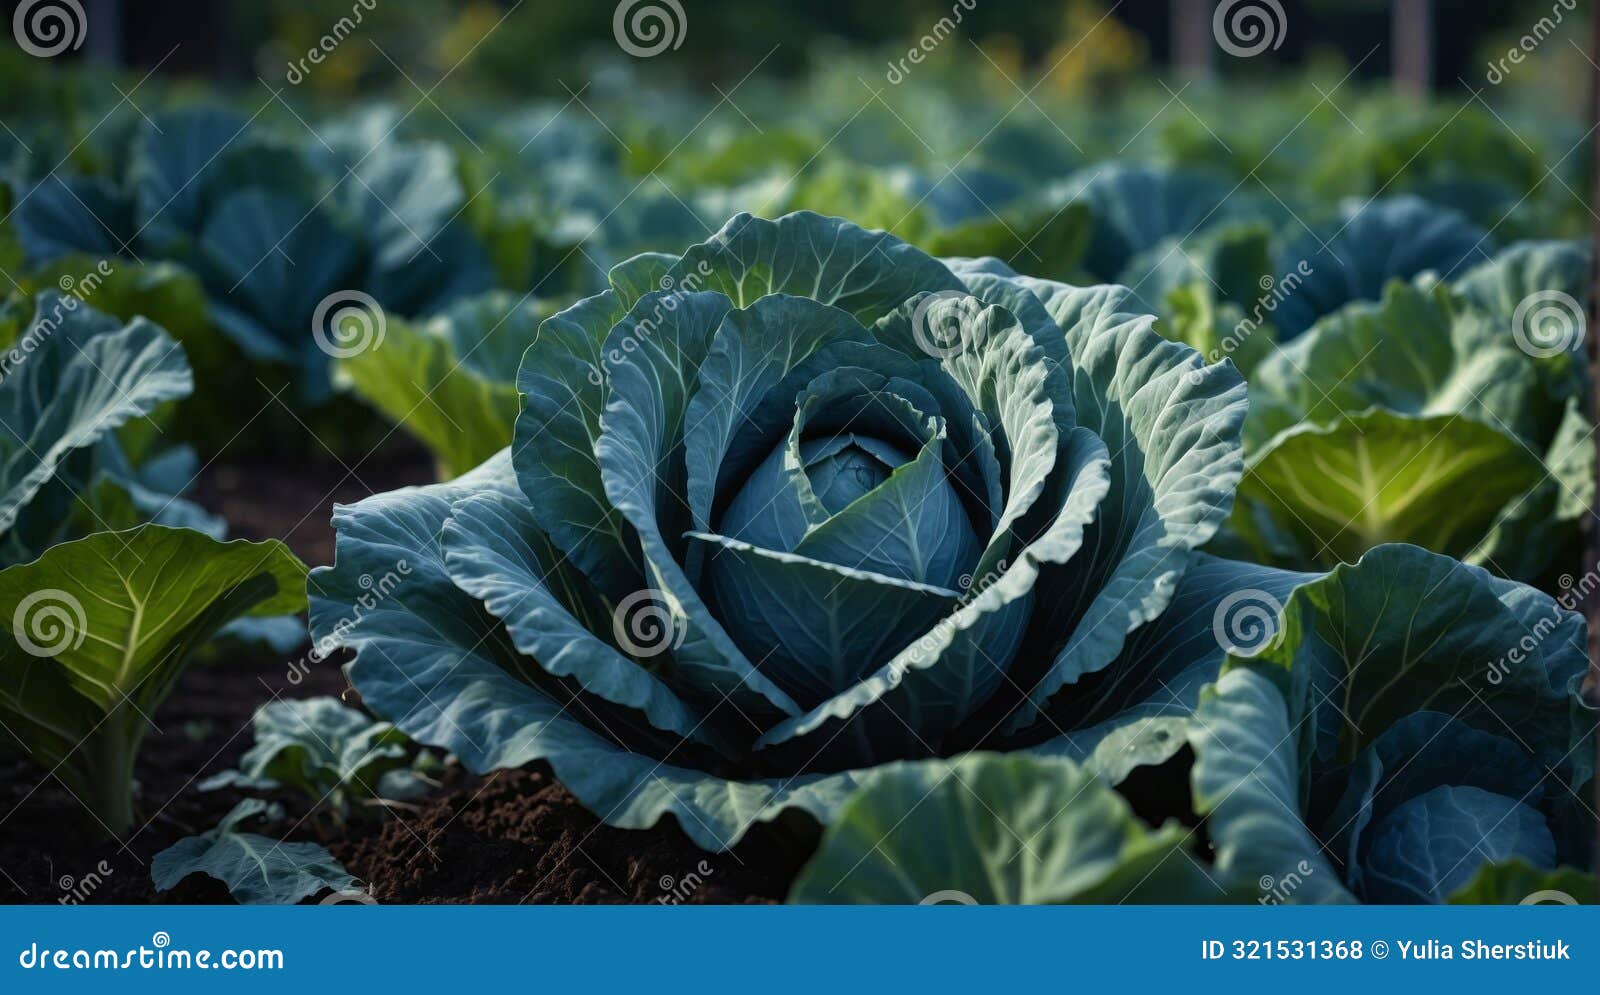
1423 350
1331 492
1500 285
99 629
266 303
451 380
653 358
1248 784
1172 425
1533 528
1230 262
256 869
59 216
1137 711
1216 330
829 260
176 157
1371 242
80 377
562 383
1137 207
990 829
494 552
1046 234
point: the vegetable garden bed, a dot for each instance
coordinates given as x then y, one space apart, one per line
1143 501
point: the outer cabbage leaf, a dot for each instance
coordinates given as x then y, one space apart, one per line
989 829
80 378
258 870
1369 244
99 631
451 380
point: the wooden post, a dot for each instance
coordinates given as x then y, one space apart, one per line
1194 51
1411 38
104 31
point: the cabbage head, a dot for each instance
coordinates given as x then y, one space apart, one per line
799 503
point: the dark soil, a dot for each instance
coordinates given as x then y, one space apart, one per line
519 836
268 500
516 836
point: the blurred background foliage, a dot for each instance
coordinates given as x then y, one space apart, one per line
527 48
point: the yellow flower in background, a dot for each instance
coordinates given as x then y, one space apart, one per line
1094 45
464 34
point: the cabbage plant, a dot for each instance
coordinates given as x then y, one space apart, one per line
1413 733
796 503
1445 415
97 619
232 204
